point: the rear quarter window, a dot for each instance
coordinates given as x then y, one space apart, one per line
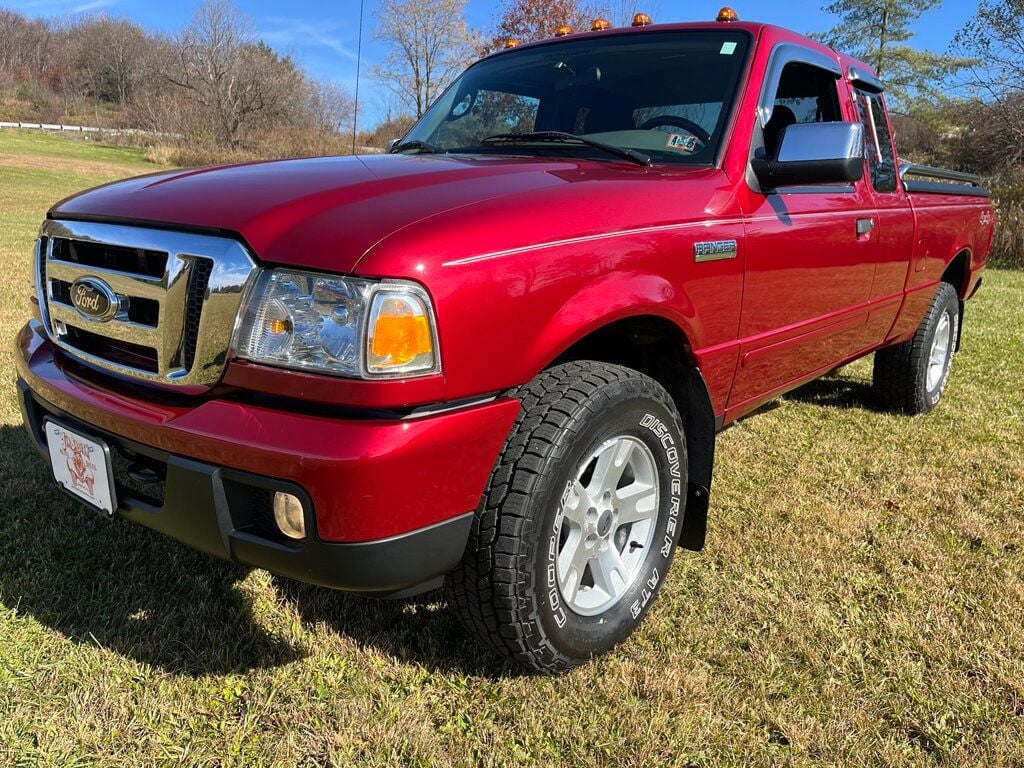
878 147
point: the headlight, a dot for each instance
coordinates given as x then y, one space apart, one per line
340 325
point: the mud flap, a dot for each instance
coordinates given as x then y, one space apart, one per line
695 520
700 426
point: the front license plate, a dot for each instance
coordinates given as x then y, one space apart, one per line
82 466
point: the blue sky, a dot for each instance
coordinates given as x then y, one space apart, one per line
323 36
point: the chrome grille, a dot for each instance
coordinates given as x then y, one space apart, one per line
178 296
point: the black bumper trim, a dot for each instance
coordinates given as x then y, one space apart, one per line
203 508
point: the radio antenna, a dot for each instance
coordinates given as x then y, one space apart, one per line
359 62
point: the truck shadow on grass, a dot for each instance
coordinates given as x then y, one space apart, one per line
837 391
124 588
422 630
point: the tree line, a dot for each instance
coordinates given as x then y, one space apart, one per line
962 107
213 84
215 81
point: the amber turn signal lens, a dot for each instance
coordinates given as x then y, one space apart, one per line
401 339
279 326
641 20
727 14
600 25
563 30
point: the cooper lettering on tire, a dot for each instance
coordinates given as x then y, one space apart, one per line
578 527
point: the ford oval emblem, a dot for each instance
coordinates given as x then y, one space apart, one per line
94 299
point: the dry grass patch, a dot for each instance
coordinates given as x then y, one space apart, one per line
93 169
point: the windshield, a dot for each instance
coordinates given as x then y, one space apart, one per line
665 94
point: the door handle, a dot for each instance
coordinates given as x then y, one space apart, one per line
864 226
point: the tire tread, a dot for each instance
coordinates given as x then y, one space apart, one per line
485 589
898 377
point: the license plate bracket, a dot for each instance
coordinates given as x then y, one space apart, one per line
82 466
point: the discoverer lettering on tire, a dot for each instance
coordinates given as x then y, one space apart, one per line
589 487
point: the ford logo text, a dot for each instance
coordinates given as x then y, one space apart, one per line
94 299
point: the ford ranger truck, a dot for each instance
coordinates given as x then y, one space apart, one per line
497 356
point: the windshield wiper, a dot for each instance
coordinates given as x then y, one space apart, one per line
566 138
421 146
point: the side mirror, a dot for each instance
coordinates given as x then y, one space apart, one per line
814 153
392 143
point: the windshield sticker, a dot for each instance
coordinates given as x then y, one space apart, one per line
728 49
682 143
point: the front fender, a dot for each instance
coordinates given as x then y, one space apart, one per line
503 320
604 301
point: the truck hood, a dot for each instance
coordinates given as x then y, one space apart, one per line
318 213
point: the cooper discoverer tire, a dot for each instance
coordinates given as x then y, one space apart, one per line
578 527
911 377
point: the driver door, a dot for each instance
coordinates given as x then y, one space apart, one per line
810 257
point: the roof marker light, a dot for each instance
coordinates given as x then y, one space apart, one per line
599 25
727 14
641 20
512 43
563 30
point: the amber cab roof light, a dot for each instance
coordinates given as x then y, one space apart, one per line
727 14
512 43
563 30
599 25
641 20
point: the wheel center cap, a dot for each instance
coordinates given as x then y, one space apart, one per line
605 523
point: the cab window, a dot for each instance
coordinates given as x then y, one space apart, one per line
806 94
878 148
486 112
666 94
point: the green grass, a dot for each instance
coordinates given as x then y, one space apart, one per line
37 144
860 602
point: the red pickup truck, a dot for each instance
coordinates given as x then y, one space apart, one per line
498 356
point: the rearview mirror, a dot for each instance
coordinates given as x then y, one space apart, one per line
814 153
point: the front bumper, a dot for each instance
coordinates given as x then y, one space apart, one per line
389 500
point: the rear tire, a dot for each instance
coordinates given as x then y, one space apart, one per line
911 377
578 527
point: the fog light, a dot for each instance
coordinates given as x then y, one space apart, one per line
289 515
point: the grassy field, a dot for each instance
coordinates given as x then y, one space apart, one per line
860 601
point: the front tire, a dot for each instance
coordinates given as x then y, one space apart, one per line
911 377
578 527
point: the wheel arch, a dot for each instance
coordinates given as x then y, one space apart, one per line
958 272
656 346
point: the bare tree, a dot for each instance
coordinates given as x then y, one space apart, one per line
10 26
238 82
429 44
60 72
621 12
111 54
994 38
329 107
24 45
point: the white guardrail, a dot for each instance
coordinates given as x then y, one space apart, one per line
80 129
129 131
